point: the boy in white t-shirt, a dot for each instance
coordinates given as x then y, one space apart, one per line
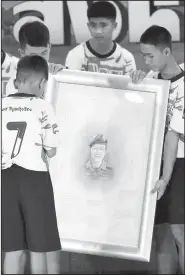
156 48
101 53
29 137
34 39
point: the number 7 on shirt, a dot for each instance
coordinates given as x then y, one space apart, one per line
20 127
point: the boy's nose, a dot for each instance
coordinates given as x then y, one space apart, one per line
147 61
98 30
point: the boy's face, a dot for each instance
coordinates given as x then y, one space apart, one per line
41 51
101 29
154 57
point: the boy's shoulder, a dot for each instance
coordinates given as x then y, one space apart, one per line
124 51
78 49
82 48
44 105
153 74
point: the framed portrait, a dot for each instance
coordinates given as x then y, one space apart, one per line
111 139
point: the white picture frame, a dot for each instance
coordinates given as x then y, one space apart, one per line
72 94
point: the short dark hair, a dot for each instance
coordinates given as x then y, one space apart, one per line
32 65
101 9
157 36
34 34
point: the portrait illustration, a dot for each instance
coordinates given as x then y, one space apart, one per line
97 167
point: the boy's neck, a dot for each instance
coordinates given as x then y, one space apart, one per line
101 48
171 69
25 91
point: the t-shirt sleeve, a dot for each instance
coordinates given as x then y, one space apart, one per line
130 63
177 120
50 129
74 59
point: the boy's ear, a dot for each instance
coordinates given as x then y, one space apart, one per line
21 52
167 51
88 24
115 24
49 45
42 84
16 84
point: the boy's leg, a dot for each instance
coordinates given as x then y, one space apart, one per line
53 262
178 234
38 263
166 251
13 235
13 262
41 224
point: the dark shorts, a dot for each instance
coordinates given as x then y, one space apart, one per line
28 211
170 208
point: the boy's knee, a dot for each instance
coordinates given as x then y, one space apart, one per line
178 234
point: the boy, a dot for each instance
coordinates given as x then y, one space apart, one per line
34 39
29 136
101 53
156 44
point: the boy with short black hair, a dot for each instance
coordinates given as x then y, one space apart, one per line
34 39
29 136
156 48
101 53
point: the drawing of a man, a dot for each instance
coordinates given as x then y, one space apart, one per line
96 166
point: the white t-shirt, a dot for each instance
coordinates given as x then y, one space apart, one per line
84 58
176 97
28 126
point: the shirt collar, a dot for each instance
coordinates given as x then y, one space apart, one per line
102 167
21 95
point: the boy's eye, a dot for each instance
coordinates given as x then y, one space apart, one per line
103 25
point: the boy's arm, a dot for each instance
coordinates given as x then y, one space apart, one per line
170 154
175 132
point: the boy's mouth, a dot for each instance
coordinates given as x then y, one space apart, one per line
99 37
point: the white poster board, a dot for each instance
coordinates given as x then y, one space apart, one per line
111 134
